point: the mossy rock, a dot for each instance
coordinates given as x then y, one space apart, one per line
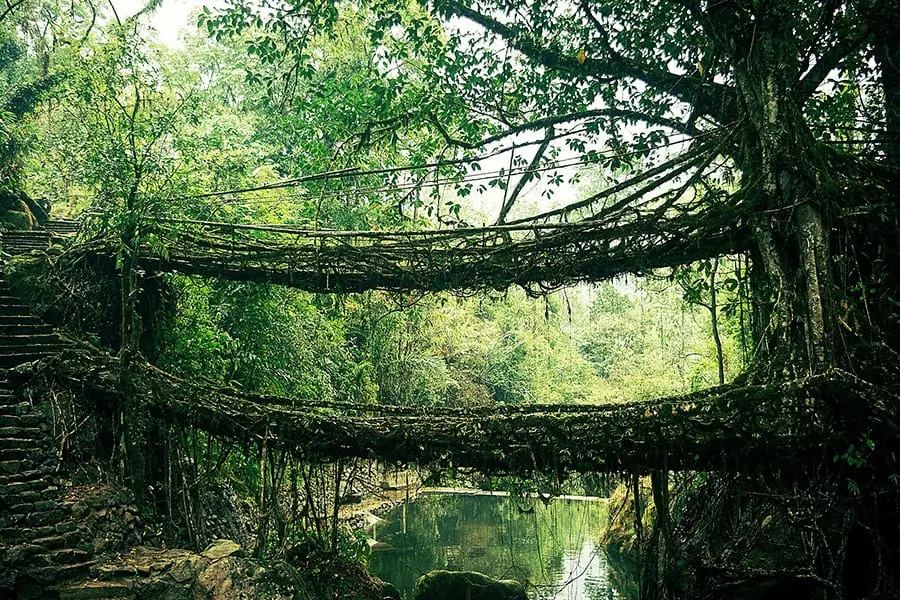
26 275
467 585
16 219
19 211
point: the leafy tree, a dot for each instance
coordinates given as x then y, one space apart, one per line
37 41
334 100
647 342
718 292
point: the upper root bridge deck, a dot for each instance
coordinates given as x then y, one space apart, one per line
533 255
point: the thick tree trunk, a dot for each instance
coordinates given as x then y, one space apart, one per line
780 164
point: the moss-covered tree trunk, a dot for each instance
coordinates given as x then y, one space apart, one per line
809 321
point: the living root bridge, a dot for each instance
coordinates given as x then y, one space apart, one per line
740 429
543 255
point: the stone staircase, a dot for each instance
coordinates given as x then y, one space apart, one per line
37 539
23 337
62 227
221 571
23 241
39 542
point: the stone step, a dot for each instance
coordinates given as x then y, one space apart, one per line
34 534
38 339
8 361
47 493
23 554
63 573
40 518
43 474
17 534
16 408
25 237
46 508
40 484
11 467
68 556
21 247
19 443
19 250
53 573
27 319
56 542
62 226
65 526
26 420
24 329
95 590
13 432
14 310
10 240
53 346
7 454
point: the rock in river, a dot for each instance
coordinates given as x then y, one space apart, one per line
467 585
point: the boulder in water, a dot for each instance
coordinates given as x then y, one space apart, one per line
467 585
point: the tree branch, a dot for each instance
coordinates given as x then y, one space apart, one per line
546 122
716 100
830 60
10 6
691 158
526 177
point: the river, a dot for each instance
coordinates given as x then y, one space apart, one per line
556 549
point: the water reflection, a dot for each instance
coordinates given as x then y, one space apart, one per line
554 548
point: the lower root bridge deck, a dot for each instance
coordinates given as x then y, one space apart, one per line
733 428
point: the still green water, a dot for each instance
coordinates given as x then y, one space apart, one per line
555 549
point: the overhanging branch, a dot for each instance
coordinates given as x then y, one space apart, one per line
715 100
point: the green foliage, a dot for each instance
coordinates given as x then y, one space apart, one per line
264 340
645 341
857 455
289 93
